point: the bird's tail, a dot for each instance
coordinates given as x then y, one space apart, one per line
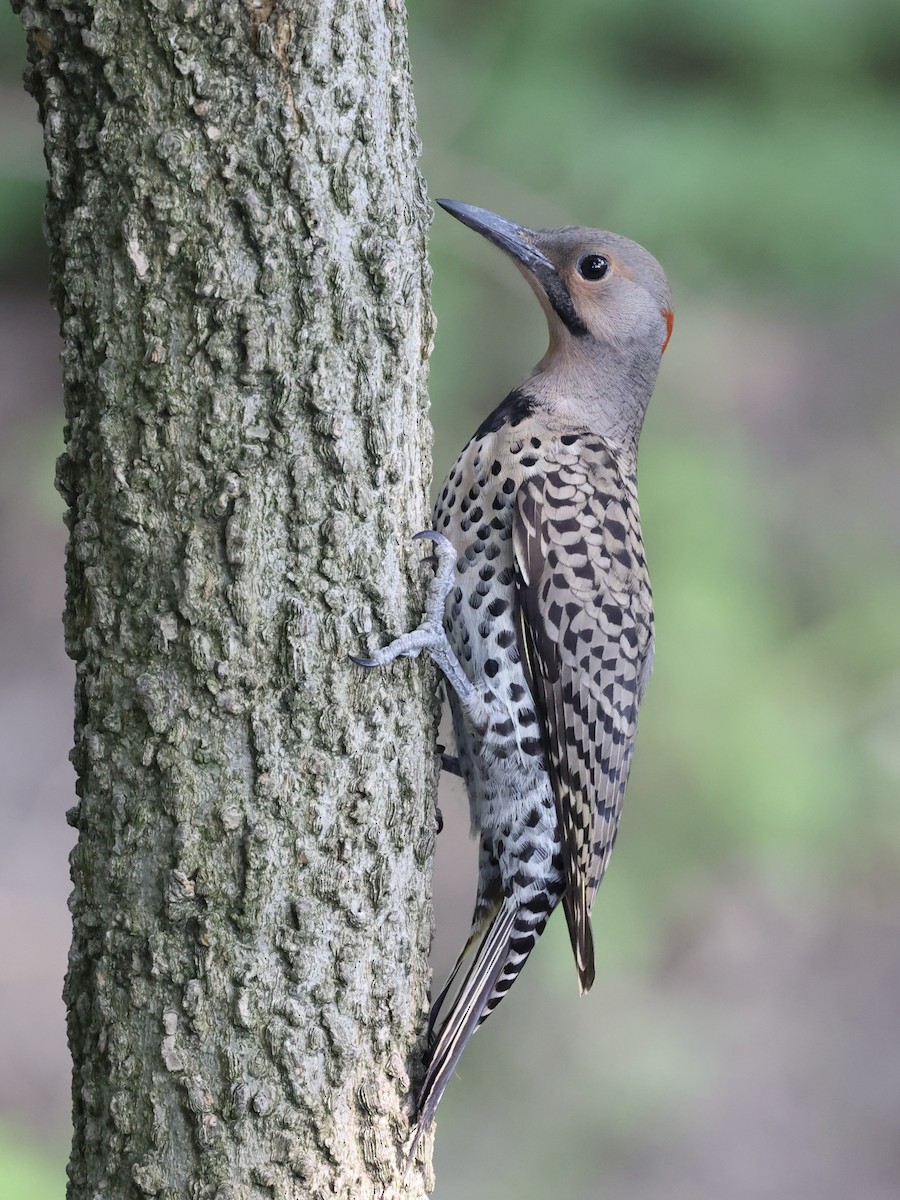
578 918
502 953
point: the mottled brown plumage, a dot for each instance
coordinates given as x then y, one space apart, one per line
546 636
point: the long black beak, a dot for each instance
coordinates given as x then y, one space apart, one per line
503 233
518 241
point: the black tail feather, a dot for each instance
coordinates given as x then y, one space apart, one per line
463 1017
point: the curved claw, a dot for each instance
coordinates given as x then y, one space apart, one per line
446 551
362 662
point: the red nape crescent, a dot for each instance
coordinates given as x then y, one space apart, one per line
670 321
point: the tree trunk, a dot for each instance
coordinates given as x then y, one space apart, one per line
237 238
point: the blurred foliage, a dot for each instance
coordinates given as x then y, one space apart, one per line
22 172
29 1171
753 148
750 144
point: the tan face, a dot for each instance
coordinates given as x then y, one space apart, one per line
609 295
589 280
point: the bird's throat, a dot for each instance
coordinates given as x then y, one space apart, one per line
593 386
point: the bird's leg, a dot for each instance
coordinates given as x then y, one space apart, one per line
431 636
450 764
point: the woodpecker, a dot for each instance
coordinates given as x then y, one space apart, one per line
540 614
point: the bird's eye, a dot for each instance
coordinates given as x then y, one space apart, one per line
593 266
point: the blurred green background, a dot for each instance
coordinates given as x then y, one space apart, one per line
742 1037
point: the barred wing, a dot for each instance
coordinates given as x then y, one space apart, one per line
586 634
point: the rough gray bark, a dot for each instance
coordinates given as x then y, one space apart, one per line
237 237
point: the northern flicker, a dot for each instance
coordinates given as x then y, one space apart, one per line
540 614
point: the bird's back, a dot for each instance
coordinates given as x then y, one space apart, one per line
593 556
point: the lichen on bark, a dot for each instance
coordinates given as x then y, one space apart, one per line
237 237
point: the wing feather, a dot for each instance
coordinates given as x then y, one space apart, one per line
585 633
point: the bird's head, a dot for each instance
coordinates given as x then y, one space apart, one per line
595 287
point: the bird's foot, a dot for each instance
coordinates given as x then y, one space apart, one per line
431 636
